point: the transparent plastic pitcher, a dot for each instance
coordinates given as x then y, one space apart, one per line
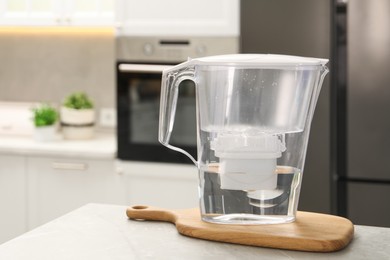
253 119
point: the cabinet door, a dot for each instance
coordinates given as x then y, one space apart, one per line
29 12
178 17
57 186
368 91
87 13
368 204
171 186
12 197
57 12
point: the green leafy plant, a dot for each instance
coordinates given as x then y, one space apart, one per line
78 100
45 115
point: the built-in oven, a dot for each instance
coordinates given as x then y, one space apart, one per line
138 115
140 62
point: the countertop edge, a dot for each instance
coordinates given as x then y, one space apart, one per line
103 146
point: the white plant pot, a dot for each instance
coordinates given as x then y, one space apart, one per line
45 133
77 124
78 133
77 116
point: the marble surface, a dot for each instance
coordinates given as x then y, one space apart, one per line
97 231
103 145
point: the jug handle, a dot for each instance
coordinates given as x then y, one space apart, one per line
171 80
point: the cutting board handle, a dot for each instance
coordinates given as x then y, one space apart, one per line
141 212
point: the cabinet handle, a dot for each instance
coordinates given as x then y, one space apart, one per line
137 68
69 166
67 20
119 170
118 25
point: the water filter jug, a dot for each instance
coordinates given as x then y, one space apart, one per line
253 120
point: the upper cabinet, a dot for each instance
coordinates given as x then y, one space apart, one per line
178 17
57 12
90 12
130 17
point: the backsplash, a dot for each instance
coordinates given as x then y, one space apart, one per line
47 64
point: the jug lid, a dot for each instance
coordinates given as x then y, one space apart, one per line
258 60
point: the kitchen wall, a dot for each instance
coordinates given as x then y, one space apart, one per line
46 64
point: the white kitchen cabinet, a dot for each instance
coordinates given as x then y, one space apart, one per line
92 12
13 221
178 17
59 185
57 12
165 185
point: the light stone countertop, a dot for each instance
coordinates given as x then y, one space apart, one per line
102 146
98 232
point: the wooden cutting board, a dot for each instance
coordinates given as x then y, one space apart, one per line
310 232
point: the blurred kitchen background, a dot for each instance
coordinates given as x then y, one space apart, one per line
50 48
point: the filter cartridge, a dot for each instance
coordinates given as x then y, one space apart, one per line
248 162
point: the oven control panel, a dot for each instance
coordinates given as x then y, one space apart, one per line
171 49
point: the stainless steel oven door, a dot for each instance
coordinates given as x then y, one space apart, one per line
138 104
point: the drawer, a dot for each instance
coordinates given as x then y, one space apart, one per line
57 186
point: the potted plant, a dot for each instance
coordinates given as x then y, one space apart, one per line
45 118
78 116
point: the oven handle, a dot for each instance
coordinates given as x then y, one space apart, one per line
143 68
171 80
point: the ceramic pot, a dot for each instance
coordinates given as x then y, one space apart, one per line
45 133
77 123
